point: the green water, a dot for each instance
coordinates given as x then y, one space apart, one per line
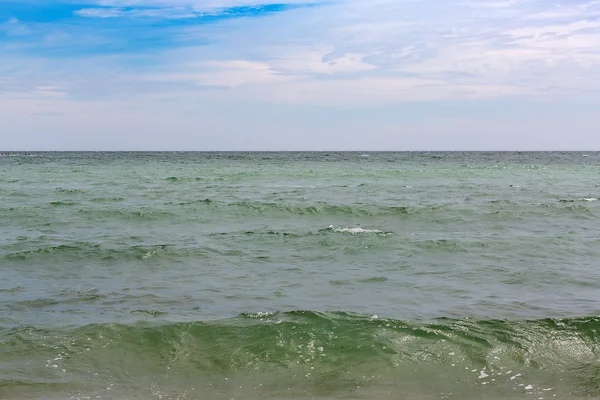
299 275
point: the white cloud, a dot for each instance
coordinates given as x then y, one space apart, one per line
317 60
264 82
174 9
100 12
14 27
557 29
48 91
562 12
165 13
195 5
493 4
228 74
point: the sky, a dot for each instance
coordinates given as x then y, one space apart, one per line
299 75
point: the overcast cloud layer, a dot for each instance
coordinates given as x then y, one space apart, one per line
299 75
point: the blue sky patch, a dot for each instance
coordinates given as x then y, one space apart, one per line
88 28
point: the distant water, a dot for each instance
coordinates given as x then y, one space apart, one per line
299 275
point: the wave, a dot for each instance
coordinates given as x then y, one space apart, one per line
94 251
509 207
210 208
356 230
145 214
589 199
63 203
106 199
13 290
330 352
105 251
68 190
258 207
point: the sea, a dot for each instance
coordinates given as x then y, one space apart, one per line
300 275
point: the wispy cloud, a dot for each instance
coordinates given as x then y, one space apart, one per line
209 12
14 27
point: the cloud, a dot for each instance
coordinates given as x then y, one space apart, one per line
494 4
347 54
207 10
227 74
559 29
101 12
13 27
353 49
317 60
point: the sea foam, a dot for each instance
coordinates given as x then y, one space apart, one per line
353 230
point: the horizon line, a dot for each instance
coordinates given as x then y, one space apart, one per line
17 152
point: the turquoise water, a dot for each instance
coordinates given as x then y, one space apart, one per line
299 275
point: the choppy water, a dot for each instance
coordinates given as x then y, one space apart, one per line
300 275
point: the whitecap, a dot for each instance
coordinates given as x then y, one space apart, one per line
259 315
354 230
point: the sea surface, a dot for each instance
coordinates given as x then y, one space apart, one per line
299 276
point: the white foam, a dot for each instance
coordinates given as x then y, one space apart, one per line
260 315
590 199
354 230
528 387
